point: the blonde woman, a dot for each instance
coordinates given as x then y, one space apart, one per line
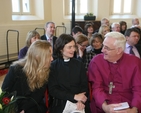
104 29
28 77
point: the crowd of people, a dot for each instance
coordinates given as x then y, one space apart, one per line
104 65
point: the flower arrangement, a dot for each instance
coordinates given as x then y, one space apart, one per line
7 102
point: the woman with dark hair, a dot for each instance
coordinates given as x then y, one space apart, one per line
89 30
123 27
67 79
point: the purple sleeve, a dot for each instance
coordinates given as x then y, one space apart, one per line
136 87
97 84
22 52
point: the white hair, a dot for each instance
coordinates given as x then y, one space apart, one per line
115 23
120 39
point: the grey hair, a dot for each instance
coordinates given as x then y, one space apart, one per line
46 25
120 39
115 23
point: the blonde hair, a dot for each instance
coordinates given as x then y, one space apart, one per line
102 28
34 64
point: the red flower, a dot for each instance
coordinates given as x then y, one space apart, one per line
6 100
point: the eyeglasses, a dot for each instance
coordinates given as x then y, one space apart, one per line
107 48
83 45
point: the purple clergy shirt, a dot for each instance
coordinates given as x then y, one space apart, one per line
126 76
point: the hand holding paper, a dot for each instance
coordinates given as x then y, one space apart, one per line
71 108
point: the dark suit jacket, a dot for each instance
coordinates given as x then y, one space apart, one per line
138 46
45 38
54 39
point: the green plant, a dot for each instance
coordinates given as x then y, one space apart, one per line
89 14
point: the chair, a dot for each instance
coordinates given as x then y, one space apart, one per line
46 99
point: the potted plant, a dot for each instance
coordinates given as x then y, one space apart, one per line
89 16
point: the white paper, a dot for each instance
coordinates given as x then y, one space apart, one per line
71 108
124 105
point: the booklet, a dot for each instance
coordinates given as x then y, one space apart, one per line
71 108
124 105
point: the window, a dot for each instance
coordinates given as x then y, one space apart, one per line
81 7
122 6
21 6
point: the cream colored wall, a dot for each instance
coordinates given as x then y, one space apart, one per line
52 11
23 27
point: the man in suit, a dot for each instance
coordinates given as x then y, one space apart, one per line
49 36
132 37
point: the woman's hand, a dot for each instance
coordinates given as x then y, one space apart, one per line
81 97
80 106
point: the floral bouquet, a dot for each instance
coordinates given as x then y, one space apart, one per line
8 102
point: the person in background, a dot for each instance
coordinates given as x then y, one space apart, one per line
49 36
115 77
94 49
105 21
31 37
135 22
123 27
103 30
115 27
81 44
76 31
67 79
29 76
132 37
89 30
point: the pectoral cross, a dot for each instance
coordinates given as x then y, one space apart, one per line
111 86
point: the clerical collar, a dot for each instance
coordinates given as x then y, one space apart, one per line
114 62
66 60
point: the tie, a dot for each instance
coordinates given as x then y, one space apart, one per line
131 50
49 40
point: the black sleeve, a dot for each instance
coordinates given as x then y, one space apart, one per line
34 100
9 79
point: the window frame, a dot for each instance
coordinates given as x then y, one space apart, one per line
21 8
122 8
67 7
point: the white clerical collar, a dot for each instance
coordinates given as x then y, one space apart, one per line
66 60
115 62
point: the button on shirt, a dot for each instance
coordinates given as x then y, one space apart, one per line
127 50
